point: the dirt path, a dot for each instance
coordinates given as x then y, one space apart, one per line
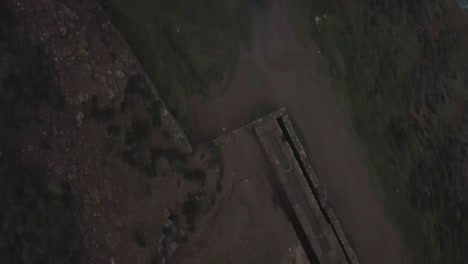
278 70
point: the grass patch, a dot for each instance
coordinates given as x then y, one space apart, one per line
299 15
397 84
185 46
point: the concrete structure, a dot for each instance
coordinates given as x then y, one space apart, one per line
318 232
316 220
314 184
321 229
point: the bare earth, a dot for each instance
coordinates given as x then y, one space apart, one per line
278 70
244 225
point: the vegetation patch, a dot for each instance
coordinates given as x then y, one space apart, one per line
137 133
137 91
139 239
166 134
39 221
113 130
196 205
197 175
185 46
399 73
219 185
214 159
26 83
38 217
101 114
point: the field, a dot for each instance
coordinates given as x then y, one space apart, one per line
399 70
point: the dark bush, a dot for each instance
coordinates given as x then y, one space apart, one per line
167 231
154 109
195 176
219 186
139 239
166 134
136 85
113 130
45 144
192 209
38 218
137 132
150 169
155 260
102 114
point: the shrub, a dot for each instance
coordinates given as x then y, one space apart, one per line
137 132
137 85
113 130
139 239
166 134
154 109
219 186
101 114
45 144
192 209
195 176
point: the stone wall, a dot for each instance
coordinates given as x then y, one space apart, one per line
327 210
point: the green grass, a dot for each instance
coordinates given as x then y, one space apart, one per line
385 70
302 12
299 12
185 46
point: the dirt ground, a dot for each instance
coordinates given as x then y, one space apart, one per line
245 225
277 70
